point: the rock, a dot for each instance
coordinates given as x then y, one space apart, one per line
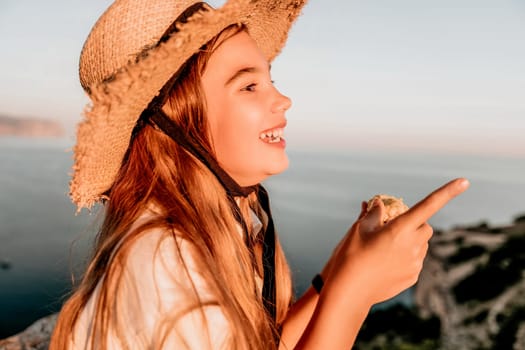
5 264
473 282
470 295
35 337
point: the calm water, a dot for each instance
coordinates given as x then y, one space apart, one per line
314 202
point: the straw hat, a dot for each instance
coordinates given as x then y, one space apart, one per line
121 80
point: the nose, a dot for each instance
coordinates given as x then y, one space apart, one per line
282 103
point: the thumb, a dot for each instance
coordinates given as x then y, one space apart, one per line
364 210
373 219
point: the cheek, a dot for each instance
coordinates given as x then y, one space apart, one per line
237 143
235 124
237 133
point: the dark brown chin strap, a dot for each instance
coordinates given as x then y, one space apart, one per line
157 116
168 127
269 287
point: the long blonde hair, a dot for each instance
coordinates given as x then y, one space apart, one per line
194 207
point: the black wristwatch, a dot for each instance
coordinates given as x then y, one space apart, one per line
318 283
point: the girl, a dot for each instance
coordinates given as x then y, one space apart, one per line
184 124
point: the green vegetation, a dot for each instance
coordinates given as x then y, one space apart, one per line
480 317
519 219
398 327
509 328
504 267
466 253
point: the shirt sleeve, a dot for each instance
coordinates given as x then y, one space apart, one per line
158 298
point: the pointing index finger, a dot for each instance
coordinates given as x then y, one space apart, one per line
426 208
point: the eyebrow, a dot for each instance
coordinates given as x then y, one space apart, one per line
243 71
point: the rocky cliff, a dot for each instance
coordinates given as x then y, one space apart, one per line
30 127
474 283
35 337
470 295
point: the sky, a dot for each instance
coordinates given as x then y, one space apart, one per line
442 76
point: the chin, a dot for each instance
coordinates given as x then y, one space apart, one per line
279 167
261 172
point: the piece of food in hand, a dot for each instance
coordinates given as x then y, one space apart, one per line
393 206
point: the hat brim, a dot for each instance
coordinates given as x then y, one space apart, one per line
104 135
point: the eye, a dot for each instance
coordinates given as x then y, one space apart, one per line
250 87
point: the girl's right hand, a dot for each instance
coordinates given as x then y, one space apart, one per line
385 259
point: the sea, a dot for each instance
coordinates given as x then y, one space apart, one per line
44 243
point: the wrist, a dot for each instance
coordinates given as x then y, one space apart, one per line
351 280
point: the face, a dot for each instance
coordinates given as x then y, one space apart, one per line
245 111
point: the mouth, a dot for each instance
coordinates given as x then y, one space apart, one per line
273 135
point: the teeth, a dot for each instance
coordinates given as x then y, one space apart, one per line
272 136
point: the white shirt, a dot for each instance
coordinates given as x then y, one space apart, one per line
154 284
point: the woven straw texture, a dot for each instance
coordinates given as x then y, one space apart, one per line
120 85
